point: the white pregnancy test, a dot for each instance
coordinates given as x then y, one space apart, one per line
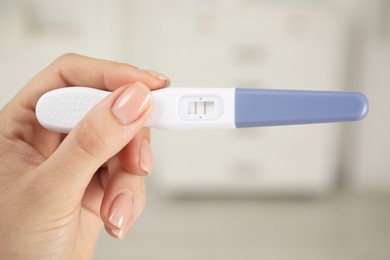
206 108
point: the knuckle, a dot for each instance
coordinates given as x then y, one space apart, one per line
89 139
65 66
65 58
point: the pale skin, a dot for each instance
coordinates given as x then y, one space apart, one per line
58 191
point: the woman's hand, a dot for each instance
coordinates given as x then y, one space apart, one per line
57 191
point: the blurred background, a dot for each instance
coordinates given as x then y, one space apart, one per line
293 192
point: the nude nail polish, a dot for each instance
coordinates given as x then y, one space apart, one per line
121 213
146 157
131 103
160 76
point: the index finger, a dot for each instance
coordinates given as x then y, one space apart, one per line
77 70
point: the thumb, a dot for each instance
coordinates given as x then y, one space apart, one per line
101 134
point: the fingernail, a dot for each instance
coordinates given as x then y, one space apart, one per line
118 233
121 213
160 76
146 157
131 103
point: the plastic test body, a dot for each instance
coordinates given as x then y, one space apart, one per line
205 108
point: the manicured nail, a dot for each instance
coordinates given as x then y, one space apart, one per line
160 76
121 213
131 103
146 157
118 233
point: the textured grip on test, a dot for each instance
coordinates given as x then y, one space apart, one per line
258 107
61 109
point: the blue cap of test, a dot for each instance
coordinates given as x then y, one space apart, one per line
258 107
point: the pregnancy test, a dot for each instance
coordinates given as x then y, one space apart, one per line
207 108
